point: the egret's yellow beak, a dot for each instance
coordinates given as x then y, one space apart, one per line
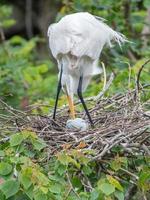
71 107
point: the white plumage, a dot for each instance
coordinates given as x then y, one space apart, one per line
76 42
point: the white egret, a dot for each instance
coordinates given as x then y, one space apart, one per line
76 42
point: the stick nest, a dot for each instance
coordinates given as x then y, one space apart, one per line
120 121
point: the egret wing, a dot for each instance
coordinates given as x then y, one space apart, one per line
88 35
59 42
81 34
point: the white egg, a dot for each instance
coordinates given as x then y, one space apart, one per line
78 124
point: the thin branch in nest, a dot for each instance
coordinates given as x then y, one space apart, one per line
145 148
104 70
129 173
101 93
119 121
129 77
11 109
139 74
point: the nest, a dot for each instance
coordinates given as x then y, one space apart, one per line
119 121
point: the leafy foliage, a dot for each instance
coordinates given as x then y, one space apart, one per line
26 172
27 80
19 70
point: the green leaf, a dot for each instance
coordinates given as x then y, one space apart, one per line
84 195
40 196
29 134
114 182
42 179
44 189
115 165
56 188
29 153
29 192
16 139
2 153
8 23
118 162
119 195
76 182
61 169
63 158
43 68
39 144
144 179
106 188
9 188
87 170
2 197
66 159
16 39
147 3
94 195
5 168
25 179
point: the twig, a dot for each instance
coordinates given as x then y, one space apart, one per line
106 88
104 70
71 186
145 148
139 73
87 184
4 139
129 173
2 35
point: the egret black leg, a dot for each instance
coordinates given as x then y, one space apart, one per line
79 92
58 92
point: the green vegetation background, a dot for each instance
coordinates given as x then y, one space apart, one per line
27 79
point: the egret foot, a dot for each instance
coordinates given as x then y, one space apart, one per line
77 124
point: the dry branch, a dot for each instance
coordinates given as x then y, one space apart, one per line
139 74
